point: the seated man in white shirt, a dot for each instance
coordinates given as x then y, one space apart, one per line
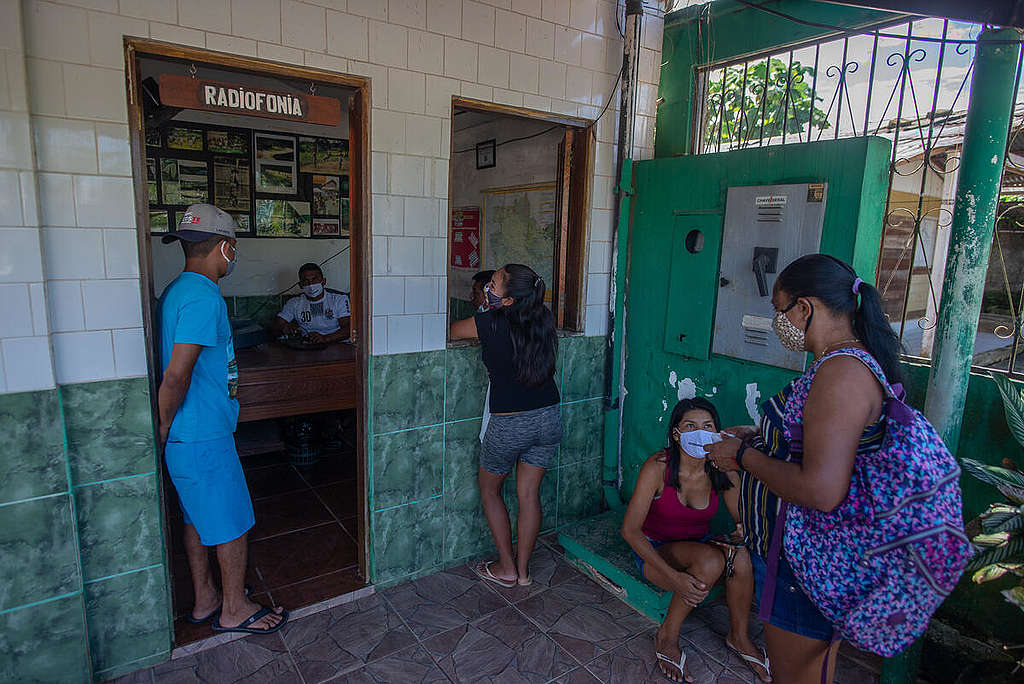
321 315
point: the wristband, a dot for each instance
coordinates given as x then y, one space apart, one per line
744 445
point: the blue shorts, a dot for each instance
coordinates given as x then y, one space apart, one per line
655 543
792 611
211 488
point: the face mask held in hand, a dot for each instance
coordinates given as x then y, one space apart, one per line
692 443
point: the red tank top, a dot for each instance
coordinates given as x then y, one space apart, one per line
669 520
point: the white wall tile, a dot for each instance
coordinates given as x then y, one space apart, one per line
420 295
56 199
604 164
37 299
389 45
347 35
597 288
378 172
374 9
442 294
407 175
445 16
600 257
130 353
405 334
388 214
653 30
280 53
423 136
412 13
378 76
29 198
56 32
67 312
10 199
592 52
209 15
27 364
21 256
104 202
73 253
540 38
388 131
606 18
94 93
509 30
568 45
303 25
524 73
379 336
171 33
46 86
596 322
157 10
406 91
538 102
460 59
435 331
494 66
64 145
552 79
439 95
388 296
565 107
121 253
426 52
257 19
477 91
83 356
106 37
583 15
477 22
578 84
530 7
601 224
405 256
435 256
15 149
231 44
421 217
16 311
604 192
379 255
10 27
113 149
441 178
556 11
508 97
320 60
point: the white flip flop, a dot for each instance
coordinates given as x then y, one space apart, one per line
681 664
750 660
483 571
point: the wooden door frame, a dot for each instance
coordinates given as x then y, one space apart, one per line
575 188
359 228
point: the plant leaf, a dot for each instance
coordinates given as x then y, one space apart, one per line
997 515
1013 405
1012 525
1011 551
988 541
1014 494
1014 596
995 571
995 475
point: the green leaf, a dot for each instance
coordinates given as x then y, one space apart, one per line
1012 525
1000 514
1013 405
1011 551
1014 596
997 570
997 476
991 540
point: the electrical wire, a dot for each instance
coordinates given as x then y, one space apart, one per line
285 290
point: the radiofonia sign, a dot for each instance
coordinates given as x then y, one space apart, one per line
195 93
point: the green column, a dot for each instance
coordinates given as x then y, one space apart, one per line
977 197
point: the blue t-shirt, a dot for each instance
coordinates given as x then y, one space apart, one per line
192 311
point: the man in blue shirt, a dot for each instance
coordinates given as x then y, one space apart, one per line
198 416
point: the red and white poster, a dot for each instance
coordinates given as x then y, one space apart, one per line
465 235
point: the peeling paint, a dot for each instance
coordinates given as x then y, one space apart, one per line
713 392
664 405
687 389
753 394
673 378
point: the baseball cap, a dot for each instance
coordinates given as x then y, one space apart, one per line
202 222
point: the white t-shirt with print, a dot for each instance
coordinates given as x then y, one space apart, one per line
320 316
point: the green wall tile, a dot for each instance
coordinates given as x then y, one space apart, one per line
579 491
407 540
45 643
261 308
31 446
407 466
582 431
109 428
127 618
38 553
408 390
465 528
548 499
465 383
118 526
582 366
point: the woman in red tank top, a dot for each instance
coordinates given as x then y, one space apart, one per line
668 524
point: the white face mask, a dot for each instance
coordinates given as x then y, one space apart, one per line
692 443
313 290
232 261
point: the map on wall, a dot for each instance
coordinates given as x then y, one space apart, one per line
519 227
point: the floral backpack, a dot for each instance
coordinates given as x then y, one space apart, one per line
880 563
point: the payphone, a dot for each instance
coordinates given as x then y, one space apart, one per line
765 228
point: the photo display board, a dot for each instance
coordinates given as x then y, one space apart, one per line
274 184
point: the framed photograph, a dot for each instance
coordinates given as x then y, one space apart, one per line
231 184
169 181
151 180
193 182
180 138
275 164
158 221
272 178
326 227
244 222
344 218
153 137
323 155
326 196
282 218
227 142
486 156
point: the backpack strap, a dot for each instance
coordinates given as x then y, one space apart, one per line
771 577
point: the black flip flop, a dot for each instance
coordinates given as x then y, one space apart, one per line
244 627
204 620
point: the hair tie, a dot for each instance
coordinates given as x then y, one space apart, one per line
856 286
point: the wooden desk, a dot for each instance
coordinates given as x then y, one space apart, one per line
276 381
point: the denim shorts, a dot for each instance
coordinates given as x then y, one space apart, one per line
792 611
655 543
531 437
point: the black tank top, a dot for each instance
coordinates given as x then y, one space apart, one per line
508 395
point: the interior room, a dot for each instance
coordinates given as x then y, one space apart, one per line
284 175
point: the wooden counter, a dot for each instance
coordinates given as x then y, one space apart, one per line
276 381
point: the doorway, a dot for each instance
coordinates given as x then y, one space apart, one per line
283 150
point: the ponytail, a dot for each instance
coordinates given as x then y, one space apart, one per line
836 284
532 326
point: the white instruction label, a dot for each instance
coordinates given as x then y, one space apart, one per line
757 323
770 201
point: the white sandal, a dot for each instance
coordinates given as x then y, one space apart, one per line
483 571
750 660
681 664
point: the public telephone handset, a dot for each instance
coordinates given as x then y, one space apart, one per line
765 261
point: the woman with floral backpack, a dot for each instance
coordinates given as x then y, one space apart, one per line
850 500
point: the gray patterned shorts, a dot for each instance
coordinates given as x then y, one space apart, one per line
531 437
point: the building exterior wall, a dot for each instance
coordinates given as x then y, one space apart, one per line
82 566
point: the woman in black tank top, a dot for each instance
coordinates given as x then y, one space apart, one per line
518 345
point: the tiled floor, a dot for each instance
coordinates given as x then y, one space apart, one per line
303 547
450 626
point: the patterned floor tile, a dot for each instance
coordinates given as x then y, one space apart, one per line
409 666
547 569
255 659
635 661
443 601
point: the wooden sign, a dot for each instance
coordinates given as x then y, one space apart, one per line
232 98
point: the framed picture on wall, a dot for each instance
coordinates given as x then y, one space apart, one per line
153 137
486 154
193 183
323 155
227 142
326 196
182 138
151 180
244 224
326 227
275 164
231 184
158 221
282 218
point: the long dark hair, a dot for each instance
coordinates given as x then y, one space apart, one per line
719 481
831 280
532 325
